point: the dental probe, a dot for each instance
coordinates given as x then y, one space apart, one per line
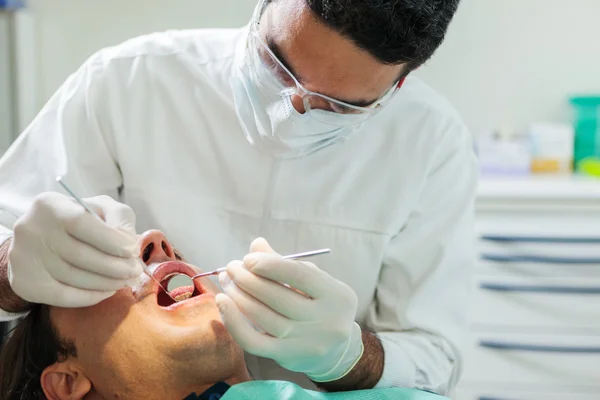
288 257
142 263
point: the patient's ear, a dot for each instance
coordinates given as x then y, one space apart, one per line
65 381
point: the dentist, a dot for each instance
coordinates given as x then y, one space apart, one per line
305 128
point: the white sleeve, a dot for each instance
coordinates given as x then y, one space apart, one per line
419 312
67 138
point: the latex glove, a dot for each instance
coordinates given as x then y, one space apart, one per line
316 336
63 256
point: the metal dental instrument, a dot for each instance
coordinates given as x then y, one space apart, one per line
288 257
142 263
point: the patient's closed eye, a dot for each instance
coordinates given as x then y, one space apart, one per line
178 255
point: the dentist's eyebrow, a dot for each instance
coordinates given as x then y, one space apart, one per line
277 51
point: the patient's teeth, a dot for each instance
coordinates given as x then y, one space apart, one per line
183 296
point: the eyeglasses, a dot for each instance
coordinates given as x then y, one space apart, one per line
288 85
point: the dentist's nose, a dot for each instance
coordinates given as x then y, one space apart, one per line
298 103
155 247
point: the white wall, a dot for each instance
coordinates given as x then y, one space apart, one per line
7 96
69 31
508 62
504 63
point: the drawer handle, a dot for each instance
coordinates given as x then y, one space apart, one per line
490 398
540 239
506 287
539 259
491 344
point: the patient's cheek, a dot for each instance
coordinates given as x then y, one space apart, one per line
123 298
108 313
137 289
210 285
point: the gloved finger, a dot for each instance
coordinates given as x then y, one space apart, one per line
261 315
75 277
260 245
70 297
242 331
88 258
281 299
63 295
89 229
301 275
116 215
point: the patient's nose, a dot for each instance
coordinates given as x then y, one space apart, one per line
155 247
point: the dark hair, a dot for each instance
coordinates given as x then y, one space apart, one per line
392 31
29 348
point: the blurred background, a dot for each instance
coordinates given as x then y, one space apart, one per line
504 65
524 74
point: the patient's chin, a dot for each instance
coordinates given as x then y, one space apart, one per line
224 362
211 347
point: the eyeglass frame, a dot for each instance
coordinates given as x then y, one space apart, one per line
304 93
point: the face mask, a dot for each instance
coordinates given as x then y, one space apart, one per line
271 123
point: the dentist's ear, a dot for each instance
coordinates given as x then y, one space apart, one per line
65 381
260 245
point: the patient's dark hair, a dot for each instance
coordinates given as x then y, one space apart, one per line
29 348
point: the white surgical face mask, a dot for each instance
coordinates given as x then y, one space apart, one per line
270 121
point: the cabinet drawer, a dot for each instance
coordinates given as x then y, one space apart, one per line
552 223
501 393
545 249
546 360
538 255
522 268
534 304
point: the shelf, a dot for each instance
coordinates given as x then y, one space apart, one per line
538 187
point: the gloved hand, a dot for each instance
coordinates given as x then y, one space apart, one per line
314 333
63 256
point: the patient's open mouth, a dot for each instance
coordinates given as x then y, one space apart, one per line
180 293
165 272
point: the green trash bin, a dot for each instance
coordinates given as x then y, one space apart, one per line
586 151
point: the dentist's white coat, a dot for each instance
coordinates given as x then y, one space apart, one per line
152 122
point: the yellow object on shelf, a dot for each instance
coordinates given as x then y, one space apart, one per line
590 166
551 148
550 166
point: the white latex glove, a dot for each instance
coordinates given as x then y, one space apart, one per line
316 336
63 256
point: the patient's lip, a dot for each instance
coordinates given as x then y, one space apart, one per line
176 267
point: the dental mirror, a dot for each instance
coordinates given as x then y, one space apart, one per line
180 280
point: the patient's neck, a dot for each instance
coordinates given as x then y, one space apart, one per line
240 376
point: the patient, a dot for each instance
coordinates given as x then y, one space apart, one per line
135 345
138 344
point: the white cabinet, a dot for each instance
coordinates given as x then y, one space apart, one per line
503 393
534 318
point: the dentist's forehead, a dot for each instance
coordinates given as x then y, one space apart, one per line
330 63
